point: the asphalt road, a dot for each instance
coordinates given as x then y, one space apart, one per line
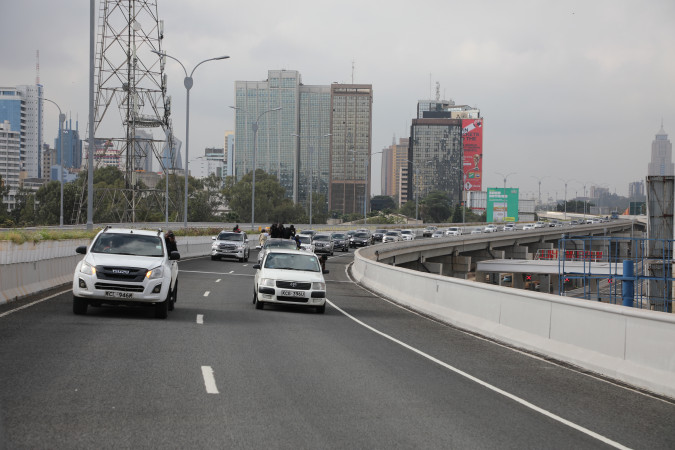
220 374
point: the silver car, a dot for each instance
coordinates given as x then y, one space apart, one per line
323 243
392 236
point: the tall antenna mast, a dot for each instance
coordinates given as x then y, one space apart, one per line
130 97
353 63
37 66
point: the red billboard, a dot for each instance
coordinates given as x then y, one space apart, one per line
472 139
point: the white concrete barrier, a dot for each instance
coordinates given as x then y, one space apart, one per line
31 268
627 344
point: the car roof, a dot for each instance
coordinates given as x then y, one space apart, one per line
133 231
291 251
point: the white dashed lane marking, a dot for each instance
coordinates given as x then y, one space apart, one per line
209 380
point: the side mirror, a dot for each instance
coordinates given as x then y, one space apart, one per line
256 266
82 250
325 271
213 238
174 256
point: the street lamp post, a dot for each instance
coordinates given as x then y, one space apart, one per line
62 118
188 83
566 181
505 176
255 150
311 170
539 181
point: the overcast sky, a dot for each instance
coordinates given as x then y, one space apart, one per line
571 90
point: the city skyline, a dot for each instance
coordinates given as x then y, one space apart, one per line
563 84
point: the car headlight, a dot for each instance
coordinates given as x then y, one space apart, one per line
87 269
269 282
318 286
214 246
157 272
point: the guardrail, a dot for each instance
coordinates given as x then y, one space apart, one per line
627 344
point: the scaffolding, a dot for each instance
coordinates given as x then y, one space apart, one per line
618 270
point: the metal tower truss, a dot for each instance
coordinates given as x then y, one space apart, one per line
130 95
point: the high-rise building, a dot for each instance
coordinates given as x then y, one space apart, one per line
22 106
662 155
277 148
351 143
49 159
10 161
314 144
143 154
436 158
229 153
636 190
394 158
72 147
598 191
305 142
171 158
212 163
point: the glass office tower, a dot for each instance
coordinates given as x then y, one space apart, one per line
351 125
277 147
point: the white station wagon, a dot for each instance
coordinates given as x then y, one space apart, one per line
290 277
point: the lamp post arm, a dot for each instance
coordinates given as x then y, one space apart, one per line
206 60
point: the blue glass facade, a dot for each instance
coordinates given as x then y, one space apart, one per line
72 147
10 108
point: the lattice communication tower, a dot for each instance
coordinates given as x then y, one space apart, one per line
131 102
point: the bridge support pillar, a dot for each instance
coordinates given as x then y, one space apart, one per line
451 265
517 252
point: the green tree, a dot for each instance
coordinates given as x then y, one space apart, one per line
49 199
436 207
4 190
382 202
408 209
271 205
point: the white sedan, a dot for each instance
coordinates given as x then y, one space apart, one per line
528 226
407 235
290 277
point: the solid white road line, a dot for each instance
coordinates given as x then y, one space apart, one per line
209 380
7 313
483 383
231 271
200 319
206 294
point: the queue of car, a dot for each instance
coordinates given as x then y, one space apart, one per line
131 267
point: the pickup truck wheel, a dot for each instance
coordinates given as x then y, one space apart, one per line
246 255
171 298
80 306
162 309
213 258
